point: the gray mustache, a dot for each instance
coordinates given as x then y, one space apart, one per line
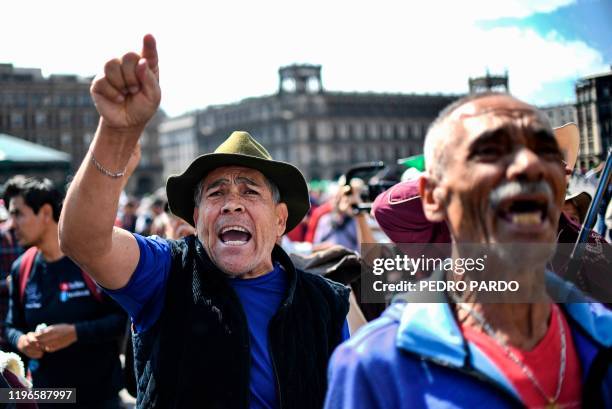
514 188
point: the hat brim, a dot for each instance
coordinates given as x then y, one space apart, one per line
570 196
180 189
568 139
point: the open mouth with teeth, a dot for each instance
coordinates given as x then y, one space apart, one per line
234 236
524 211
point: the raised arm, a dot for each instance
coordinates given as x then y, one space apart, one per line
126 96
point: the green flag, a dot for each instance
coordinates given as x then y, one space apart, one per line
416 161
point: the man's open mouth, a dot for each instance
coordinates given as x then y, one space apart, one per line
234 235
524 210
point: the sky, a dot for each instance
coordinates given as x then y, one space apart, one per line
217 52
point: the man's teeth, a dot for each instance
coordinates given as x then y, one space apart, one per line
237 228
234 243
527 219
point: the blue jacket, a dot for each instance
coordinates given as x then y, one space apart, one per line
415 356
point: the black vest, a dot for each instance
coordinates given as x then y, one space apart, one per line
197 353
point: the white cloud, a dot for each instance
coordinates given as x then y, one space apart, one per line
217 52
487 9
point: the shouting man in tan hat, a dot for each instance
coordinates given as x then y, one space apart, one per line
221 320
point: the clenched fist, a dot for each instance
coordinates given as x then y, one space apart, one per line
127 94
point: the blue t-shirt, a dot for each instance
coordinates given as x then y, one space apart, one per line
143 298
260 298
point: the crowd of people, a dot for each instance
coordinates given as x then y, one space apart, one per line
238 287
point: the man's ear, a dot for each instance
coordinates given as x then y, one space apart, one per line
282 213
46 212
433 197
195 216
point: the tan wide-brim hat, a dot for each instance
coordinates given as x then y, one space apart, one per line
581 200
240 149
568 139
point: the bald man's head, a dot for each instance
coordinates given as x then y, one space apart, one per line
444 132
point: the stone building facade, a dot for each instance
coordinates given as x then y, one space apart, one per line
58 112
560 114
55 111
321 132
594 110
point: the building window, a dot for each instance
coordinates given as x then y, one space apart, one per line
361 154
373 131
35 99
8 99
21 100
388 131
68 100
416 131
65 118
312 132
86 138
400 131
343 131
278 132
16 120
350 131
85 100
66 140
89 119
358 131
40 119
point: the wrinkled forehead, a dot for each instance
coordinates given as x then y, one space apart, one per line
233 175
499 113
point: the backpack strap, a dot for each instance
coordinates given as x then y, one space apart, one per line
92 286
25 268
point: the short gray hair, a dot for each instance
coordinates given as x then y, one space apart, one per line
199 191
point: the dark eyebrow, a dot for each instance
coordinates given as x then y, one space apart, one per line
490 135
216 183
240 179
246 180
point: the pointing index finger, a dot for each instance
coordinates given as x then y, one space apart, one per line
149 52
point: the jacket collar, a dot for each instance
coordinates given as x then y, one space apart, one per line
430 330
279 255
594 319
591 317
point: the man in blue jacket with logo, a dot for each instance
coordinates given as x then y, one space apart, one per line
495 176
